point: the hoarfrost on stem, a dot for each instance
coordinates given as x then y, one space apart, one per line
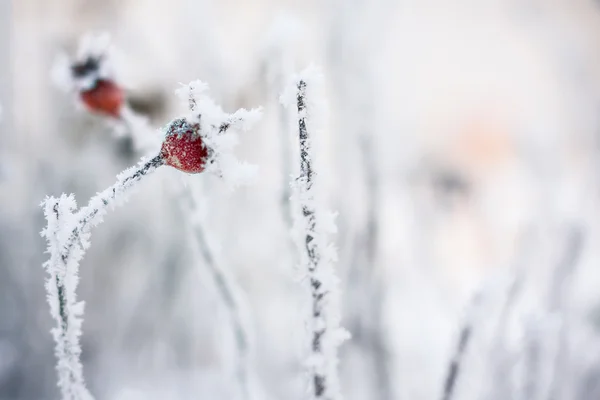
68 236
312 225
61 285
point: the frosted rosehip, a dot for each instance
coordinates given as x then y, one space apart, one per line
105 97
183 147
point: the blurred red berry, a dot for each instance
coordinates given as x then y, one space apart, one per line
105 97
183 147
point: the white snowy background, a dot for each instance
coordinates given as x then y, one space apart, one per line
460 149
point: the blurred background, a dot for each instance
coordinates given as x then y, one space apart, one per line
461 152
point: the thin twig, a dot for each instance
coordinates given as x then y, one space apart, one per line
94 209
229 293
454 368
326 334
64 310
464 338
306 173
63 265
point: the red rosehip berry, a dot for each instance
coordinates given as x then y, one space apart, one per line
183 147
106 97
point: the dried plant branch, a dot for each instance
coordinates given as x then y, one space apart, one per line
67 234
316 255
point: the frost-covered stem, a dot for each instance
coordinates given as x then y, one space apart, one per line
319 379
229 293
502 360
324 321
91 215
466 331
63 306
67 234
455 362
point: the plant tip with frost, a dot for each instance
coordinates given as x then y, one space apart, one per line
204 138
90 75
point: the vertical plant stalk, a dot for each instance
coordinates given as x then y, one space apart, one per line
63 305
68 234
464 338
455 364
229 294
316 258
319 378
501 359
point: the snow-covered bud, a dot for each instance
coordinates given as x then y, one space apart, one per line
183 147
105 97
91 78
